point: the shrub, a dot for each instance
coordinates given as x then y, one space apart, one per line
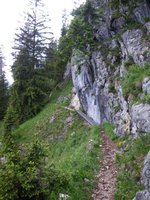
24 175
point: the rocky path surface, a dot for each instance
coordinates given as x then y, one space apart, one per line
106 178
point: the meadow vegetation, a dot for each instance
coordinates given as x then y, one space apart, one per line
71 148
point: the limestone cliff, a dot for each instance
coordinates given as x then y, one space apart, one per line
121 31
145 194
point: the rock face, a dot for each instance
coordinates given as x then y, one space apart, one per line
140 115
83 83
145 195
121 33
146 173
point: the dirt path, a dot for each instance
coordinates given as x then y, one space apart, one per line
106 178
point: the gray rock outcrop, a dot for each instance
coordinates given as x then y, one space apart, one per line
140 115
83 83
146 173
98 77
146 85
145 195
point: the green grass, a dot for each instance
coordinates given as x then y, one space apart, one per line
77 155
147 19
72 148
39 125
109 128
131 24
129 162
146 98
132 83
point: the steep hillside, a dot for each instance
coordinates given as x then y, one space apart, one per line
72 146
73 149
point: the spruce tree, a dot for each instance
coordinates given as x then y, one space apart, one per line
35 36
64 23
3 96
3 88
31 85
53 69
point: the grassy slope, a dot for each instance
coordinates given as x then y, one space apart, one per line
132 83
72 148
129 160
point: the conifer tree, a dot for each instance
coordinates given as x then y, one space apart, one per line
31 84
3 88
1 62
34 37
64 23
3 96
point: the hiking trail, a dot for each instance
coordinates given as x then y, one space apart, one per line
106 177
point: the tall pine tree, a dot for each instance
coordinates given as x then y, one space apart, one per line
31 84
35 36
3 96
